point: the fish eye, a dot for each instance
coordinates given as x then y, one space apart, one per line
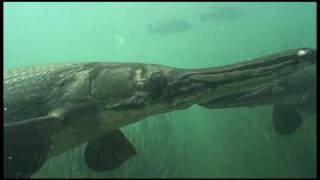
158 83
158 80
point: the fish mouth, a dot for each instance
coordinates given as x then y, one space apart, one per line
278 78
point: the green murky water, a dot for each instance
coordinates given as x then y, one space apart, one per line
197 142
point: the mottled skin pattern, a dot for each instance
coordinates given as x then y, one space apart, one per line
26 89
86 100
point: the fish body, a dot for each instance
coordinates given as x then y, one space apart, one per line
51 109
222 15
170 27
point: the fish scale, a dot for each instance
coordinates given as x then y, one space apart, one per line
30 85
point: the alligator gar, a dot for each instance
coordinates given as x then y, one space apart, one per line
50 109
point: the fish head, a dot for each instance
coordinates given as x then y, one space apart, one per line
140 90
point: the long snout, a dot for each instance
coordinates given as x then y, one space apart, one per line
259 81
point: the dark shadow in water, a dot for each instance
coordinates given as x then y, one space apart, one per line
169 27
222 14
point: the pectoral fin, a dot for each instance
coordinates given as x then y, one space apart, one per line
285 119
108 152
26 145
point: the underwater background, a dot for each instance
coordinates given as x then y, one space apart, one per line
196 142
